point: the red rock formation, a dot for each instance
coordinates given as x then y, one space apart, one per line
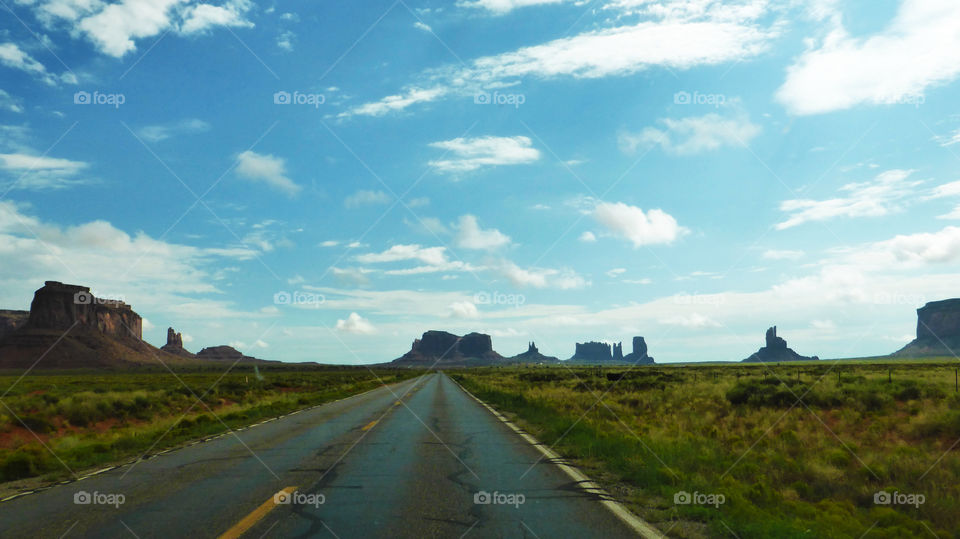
61 306
448 349
175 344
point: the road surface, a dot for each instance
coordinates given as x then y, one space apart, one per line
416 459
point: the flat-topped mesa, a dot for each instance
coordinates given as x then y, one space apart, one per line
938 330
776 350
446 349
61 306
592 351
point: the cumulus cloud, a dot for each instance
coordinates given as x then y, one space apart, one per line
692 135
432 259
654 227
356 325
477 152
267 169
588 237
471 236
114 28
542 277
873 198
918 50
464 309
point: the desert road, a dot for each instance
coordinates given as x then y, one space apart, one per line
410 460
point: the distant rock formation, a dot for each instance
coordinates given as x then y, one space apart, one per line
603 353
938 330
639 355
68 327
776 350
62 306
592 352
225 353
532 355
11 321
448 349
175 344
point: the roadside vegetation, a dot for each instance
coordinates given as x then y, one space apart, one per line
752 458
88 419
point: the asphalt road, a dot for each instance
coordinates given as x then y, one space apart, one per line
410 460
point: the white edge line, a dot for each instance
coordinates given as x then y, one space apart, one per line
585 483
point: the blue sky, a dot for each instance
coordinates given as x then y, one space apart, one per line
325 181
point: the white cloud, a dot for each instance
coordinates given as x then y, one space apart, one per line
356 276
8 102
693 135
200 18
588 237
873 198
329 243
367 198
267 169
641 228
114 29
782 254
542 277
167 282
711 38
500 7
918 50
950 189
397 102
12 56
471 236
477 152
464 309
39 172
285 40
949 140
422 26
434 256
616 272
156 133
912 249
355 324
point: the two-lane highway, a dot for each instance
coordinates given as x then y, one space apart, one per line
417 459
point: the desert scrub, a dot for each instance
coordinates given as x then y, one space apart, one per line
88 419
796 450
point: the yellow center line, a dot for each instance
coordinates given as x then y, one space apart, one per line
250 520
369 425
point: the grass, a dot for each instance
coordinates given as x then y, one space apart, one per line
785 468
52 422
